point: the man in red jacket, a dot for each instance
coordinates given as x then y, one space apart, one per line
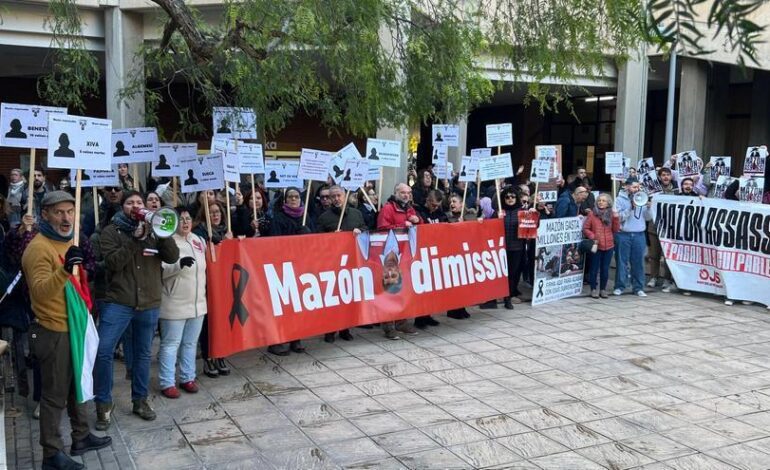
398 213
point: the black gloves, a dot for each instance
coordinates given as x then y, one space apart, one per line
186 262
73 257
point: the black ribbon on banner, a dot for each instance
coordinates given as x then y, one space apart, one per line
540 288
239 278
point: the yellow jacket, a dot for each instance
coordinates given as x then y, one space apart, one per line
46 277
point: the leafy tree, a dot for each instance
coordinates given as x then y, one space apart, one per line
361 64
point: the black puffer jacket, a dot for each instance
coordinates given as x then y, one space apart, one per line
511 223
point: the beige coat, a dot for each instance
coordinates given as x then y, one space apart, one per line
184 289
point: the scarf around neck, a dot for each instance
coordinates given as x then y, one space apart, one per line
124 222
49 232
293 212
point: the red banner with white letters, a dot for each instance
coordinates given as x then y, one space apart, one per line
271 290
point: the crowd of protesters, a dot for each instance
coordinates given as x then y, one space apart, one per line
143 285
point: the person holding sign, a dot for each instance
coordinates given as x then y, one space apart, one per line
133 256
48 264
245 224
514 246
602 224
287 220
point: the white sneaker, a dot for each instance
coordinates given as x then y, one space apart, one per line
686 293
36 413
641 293
652 282
617 292
728 302
747 302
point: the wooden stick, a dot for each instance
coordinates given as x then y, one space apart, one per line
478 191
462 208
96 206
497 191
436 176
135 175
307 202
76 235
366 196
31 184
208 226
379 189
614 188
342 214
227 202
254 196
174 184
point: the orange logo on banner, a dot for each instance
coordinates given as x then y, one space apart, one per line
271 290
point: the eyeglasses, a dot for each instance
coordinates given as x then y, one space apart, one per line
113 190
510 196
296 196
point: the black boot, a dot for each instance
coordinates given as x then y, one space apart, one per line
90 442
508 304
277 349
329 337
457 314
420 323
296 346
345 334
61 461
430 321
491 304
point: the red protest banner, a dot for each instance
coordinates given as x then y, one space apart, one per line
528 222
271 290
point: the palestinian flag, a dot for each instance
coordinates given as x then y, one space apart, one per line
83 338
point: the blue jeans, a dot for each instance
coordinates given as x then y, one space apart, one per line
629 250
178 339
113 322
600 264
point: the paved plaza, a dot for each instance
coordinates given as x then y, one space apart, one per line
667 382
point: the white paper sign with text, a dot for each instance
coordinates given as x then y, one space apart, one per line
446 134
499 135
468 169
541 171
234 123
282 174
201 172
25 126
314 164
136 145
167 164
100 178
355 174
76 142
613 163
381 152
496 166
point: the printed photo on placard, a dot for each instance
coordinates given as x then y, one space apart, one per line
496 166
468 169
314 164
645 165
282 174
137 145
79 142
624 175
446 134
756 159
722 182
228 149
720 166
499 135
688 163
234 123
354 174
613 163
572 261
167 165
337 164
251 160
439 156
381 152
541 171
650 183
25 126
100 178
751 188
201 172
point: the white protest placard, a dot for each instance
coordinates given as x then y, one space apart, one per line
720 166
227 148
443 170
381 152
314 164
541 171
613 163
558 261
201 172
468 169
623 175
755 161
234 123
282 174
751 188
499 135
137 145
688 163
440 153
551 154
446 134
337 164
374 173
25 126
167 164
496 166
481 153
644 165
100 178
76 142
251 159
722 182
355 174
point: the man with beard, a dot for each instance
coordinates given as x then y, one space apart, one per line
110 203
41 188
630 241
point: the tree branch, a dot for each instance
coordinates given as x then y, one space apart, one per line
179 13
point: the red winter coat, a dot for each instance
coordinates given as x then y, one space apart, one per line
392 216
594 229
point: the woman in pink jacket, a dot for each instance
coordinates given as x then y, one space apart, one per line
600 226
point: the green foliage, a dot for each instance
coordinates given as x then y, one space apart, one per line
75 71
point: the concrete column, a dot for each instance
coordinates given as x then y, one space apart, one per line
716 115
455 155
759 133
391 176
631 107
691 121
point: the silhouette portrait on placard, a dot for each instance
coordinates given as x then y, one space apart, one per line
120 149
462 172
162 164
16 132
190 181
224 126
534 173
273 177
435 155
347 175
337 171
439 137
373 155
84 176
64 149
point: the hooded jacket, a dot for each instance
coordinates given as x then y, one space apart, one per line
184 289
632 219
